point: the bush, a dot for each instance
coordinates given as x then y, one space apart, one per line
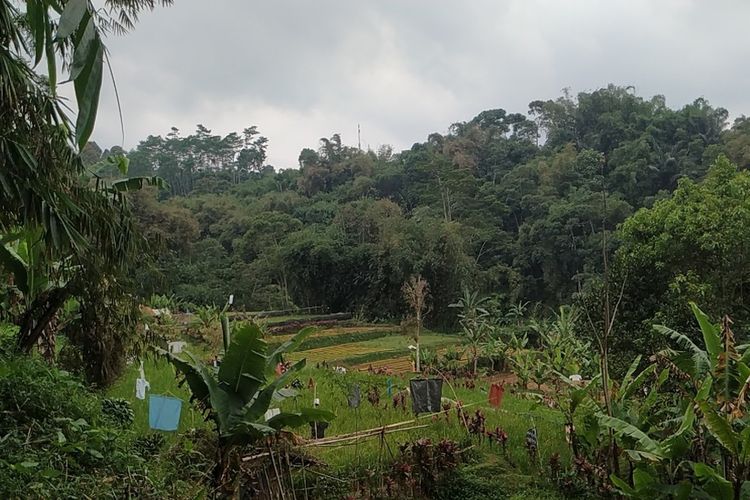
118 411
149 444
59 440
427 358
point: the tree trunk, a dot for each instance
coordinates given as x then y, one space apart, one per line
739 478
573 439
419 328
33 322
419 366
224 465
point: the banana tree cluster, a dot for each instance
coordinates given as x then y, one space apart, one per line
704 451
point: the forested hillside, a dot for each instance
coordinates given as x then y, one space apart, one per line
507 203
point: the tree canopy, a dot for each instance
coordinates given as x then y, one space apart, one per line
510 204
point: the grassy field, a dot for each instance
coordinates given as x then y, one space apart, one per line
337 331
394 345
401 364
516 416
161 375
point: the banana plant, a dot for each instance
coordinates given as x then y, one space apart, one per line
569 397
238 394
40 281
657 462
723 400
205 317
630 409
718 358
720 379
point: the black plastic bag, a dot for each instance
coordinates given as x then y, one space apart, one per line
426 395
318 429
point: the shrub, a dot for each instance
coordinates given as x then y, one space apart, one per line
59 440
422 464
149 444
118 411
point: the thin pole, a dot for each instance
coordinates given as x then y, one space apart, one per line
289 468
356 430
304 476
276 471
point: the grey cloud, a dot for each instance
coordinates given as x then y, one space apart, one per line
301 70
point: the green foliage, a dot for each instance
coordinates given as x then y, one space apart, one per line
428 357
473 483
475 322
238 396
523 363
206 317
8 335
484 205
157 301
450 361
149 445
118 411
688 247
711 382
70 232
58 441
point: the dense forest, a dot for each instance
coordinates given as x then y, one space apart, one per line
511 205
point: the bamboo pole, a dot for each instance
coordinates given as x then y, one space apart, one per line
375 433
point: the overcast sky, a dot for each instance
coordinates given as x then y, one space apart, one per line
301 70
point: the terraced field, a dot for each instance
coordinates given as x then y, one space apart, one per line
396 365
358 346
338 330
386 348
335 353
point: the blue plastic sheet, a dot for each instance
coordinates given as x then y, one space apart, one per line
164 412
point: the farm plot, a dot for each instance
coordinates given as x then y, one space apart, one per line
393 346
515 417
334 353
398 365
336 331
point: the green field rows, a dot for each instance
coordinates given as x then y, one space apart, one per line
393 346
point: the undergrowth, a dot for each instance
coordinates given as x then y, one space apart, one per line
57 442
